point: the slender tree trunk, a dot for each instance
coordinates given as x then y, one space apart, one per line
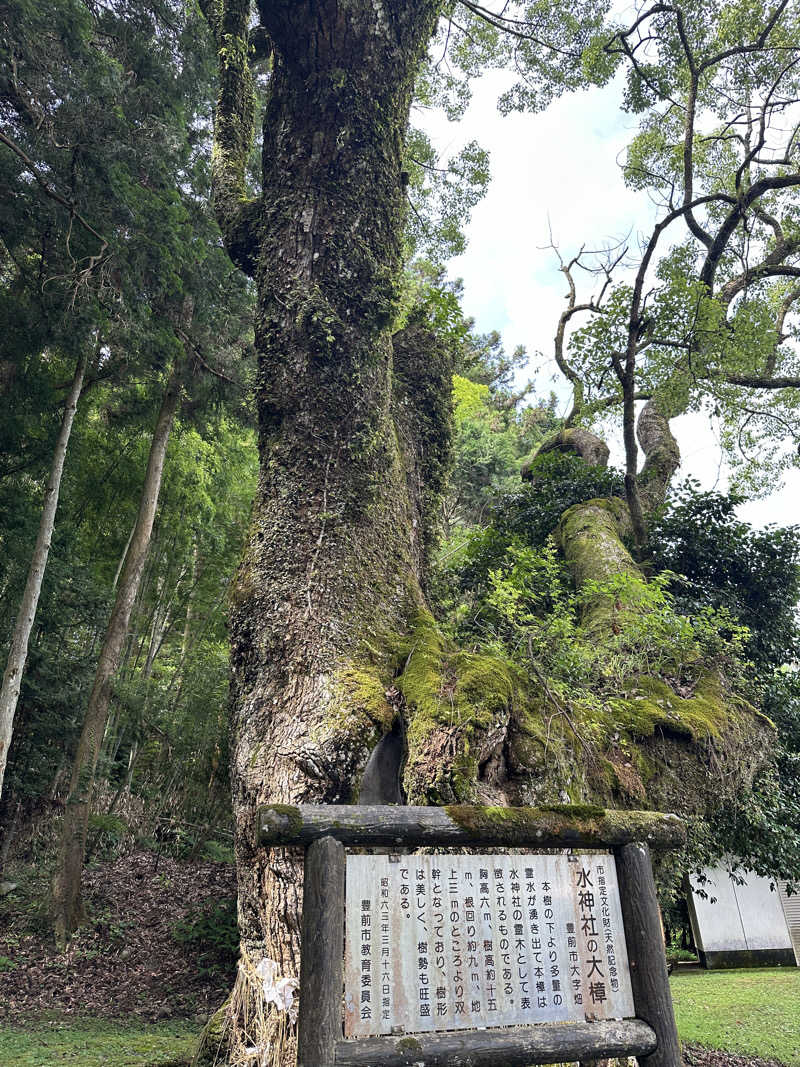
18 653
187 623
66 895
123 557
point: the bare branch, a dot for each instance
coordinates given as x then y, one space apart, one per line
755 381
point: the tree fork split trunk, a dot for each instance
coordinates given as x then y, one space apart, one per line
591 533
66 904
18 653
662 456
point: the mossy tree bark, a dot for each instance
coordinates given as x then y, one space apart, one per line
693 744
354 432
354 426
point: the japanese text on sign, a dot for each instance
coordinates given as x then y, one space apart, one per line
450 942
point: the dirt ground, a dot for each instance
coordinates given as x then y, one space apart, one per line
126 959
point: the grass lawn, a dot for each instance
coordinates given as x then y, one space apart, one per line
97 1043
753 1012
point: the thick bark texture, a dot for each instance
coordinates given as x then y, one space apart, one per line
18 652
66 905
354 431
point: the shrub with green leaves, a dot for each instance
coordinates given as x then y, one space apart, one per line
540 620
214 933
107 836
526 516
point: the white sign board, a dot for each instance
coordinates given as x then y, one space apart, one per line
450 942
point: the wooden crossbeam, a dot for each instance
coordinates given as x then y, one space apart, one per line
565 826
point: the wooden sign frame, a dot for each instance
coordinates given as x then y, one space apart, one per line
325 830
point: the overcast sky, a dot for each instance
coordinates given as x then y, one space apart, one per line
560 170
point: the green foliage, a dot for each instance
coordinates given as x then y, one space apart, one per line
442 197
217 852
558 480
525 515
765 825
531 610
550 48
110 106
169 707
214 933
681 955
494 428
708 322
719 561
107 833
487 448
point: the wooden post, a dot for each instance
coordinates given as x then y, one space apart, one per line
648 966
322 955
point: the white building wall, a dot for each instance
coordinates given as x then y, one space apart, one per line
731 917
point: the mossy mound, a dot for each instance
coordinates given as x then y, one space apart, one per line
212 1038
653 703
363 689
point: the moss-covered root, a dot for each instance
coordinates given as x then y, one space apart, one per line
583 443
589 534
652 703
458 706
212 1038
663 456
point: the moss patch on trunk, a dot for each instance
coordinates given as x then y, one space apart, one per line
456 700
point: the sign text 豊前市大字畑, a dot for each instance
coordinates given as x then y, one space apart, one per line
446 942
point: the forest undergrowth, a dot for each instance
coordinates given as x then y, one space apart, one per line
156 946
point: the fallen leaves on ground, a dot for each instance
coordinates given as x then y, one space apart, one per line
124 961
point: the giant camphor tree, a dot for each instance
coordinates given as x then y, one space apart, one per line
332 641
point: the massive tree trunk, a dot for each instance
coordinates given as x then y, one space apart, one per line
353 443
354 433
18 652
66 904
